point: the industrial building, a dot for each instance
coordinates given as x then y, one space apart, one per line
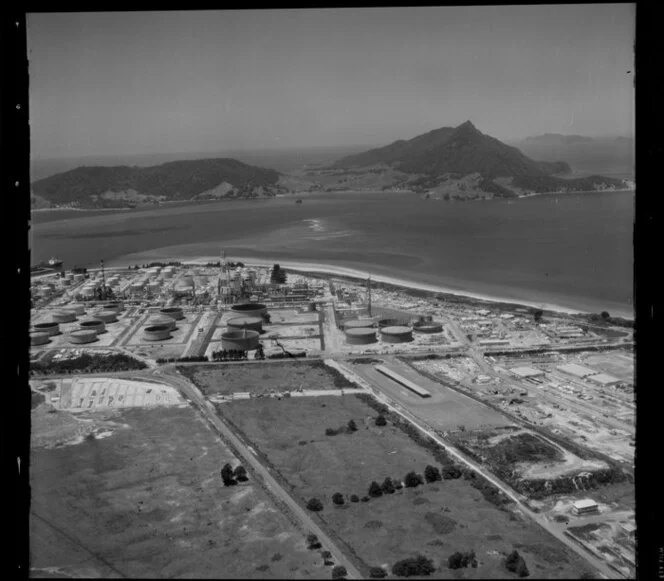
493 342
400 379
603 379
585 506
576 370
526 372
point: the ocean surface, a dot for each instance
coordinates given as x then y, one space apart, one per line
572 250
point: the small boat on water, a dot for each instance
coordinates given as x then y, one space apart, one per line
298 201
54 261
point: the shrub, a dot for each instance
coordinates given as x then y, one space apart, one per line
381 421
516 564
397 484
374 490
354 498
313 542
314 504
413 566
365 499
459 560
326 555
338 498
339 572
388 486
352 426
331 432
377 573
452 472
431 473
412 480
227 475
240 473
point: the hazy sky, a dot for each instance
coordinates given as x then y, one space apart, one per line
153 82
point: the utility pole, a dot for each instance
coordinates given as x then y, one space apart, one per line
369 294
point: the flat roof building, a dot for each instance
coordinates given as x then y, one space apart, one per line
604 379
527 372
585 506
576 370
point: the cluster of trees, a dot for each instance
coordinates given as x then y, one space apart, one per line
187 358
88 363
413 567
460 560
349 428
231 477
515 563
229 354
277 276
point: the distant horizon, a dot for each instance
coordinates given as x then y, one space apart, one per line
132 83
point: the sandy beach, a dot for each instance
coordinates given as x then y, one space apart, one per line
362 275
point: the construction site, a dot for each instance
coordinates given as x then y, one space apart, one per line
540 405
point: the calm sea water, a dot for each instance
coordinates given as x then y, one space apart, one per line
573 250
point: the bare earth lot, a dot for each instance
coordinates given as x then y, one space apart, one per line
434 519
145 499
263 378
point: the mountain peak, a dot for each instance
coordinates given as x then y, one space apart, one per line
468 125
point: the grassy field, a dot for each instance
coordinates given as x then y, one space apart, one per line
435 519
263 378
147 501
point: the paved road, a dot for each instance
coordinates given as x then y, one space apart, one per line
513 495
170 375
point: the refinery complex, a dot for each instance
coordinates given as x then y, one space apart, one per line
538 405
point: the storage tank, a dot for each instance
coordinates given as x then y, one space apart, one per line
39 338
79 277
106 316
428 327
239 323
360 336
359 324
392 322
116 307
173 312
64 316
239 340
77 308
96 325
163 320
83 336
250 309
396 334
156 333
66 282
50 329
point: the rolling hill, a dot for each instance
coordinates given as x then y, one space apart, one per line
98 186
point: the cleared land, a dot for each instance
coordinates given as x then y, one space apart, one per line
289 435
143 498
264 378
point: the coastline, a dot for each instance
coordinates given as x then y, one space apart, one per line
359 275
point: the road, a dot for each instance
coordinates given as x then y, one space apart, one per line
171 376
513 495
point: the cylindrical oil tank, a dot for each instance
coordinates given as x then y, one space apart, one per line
115 307
66 282
79 277
77 308
359 324
382 323
428 327
64 316
239 323
173 312
240 340
360 336
106 316
52 328
156 333
250 309
39 338
163 320
96 325
396 334
83 336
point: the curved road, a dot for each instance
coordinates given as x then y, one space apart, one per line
170 375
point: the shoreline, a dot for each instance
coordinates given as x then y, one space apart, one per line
360 275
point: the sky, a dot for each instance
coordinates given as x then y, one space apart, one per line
129 83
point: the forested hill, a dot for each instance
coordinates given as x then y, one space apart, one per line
99 186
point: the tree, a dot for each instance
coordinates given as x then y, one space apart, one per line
451 472
374 490
412 480
352 426
354 498
381 421
454 560
338 498
431 473
516 564
326 555
314 505
537 315
605 315
414 566
313 542
388 486
339 572
227 475
240 473
377 573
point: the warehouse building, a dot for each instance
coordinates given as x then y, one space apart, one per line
526 372
576 370
585 506
604 379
